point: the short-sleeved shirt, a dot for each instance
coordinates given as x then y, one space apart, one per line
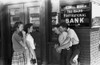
16 39
73 36
63 37
30 39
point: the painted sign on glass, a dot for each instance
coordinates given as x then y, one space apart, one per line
78 15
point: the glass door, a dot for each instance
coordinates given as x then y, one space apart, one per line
16 13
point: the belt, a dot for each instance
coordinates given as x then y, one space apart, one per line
66 49
75 45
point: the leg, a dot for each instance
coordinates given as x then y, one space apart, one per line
68 56
63 57
74 57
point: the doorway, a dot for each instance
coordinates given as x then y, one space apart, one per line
26 13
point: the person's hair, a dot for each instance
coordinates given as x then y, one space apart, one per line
27 26
64 24
16 25
56 25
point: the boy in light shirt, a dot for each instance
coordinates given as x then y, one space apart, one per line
75 44
63 39
64 47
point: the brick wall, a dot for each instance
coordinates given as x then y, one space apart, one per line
94 46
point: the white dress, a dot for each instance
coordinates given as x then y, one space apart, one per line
30 43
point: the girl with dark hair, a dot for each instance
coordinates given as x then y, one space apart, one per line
18 44
31 57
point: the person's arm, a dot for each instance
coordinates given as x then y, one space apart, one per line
59 48
22 43
66 41
20 40
24 39
29 46
32 52
74 37
66 45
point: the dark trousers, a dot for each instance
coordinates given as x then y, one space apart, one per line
65 57
75 51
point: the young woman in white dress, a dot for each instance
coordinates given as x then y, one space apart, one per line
30 52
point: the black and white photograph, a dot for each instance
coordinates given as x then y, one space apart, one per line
49 32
